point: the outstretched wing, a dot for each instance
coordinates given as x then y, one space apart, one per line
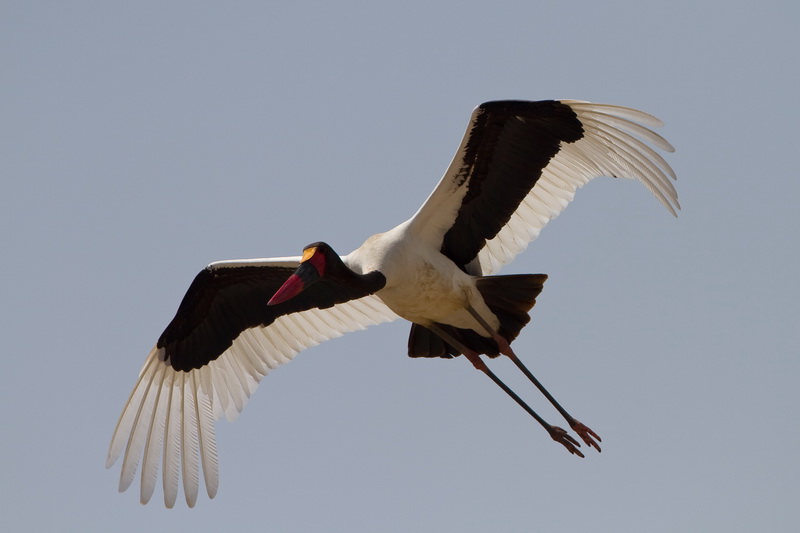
222 341
519 165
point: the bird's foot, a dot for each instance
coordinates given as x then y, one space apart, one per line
586 434
562 437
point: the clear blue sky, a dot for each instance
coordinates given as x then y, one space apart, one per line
142 141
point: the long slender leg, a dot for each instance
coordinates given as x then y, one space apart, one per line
556 433
582 430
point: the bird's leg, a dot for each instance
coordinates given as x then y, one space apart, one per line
503 345
556 433
578 427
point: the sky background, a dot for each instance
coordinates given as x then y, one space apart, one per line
141 141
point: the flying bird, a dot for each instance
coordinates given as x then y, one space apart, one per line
517 167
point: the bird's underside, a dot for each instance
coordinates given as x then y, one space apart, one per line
510 298
517 167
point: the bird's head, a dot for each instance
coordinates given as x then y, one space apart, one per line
313 264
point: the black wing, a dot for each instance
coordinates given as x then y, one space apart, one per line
222 302
222 341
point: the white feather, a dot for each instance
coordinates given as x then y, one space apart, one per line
190 443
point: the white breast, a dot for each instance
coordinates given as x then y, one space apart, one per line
422 285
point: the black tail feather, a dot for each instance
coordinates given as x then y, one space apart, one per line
511 298
422 342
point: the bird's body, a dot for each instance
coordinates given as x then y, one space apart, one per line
422 285
518 165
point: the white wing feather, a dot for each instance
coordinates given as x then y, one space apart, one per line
169 416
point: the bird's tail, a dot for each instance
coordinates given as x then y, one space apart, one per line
510 298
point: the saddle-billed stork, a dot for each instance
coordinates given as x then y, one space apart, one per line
517 167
